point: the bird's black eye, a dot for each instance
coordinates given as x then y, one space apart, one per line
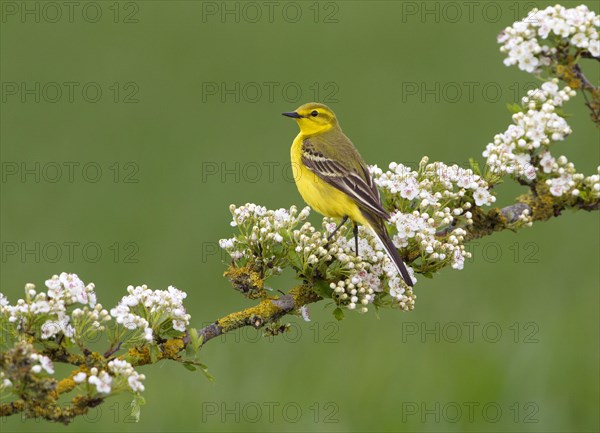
314 113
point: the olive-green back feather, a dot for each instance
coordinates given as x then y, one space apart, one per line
332 156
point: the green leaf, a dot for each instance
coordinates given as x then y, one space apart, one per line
561 113
338 313
514 108
427 274
189 366
136 406
154 353
475 166
195 340
204 369
199 342
322 289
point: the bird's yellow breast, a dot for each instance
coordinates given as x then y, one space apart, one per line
318 194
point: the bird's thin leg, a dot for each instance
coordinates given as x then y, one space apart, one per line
355 231
337 228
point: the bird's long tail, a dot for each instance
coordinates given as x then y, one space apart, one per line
381 232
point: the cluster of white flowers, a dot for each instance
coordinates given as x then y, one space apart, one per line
568 181
310 246
523 150
158 305
123 316
94 317
591 183
564 172
25 310
443 196
269 234
368 275
269 231
101 380
353 291
531 133
422 228
433 185
70 289
363 275
63 291
123 369
52 313
274 220
281 238
41 363
524 42
119 372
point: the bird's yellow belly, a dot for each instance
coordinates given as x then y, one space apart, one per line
318 194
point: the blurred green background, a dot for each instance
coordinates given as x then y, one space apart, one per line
188 121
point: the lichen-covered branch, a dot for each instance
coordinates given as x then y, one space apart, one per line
38 395
267 311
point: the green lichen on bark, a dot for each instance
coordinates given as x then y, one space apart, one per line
143 355
486 223
269 310
247 281
543 205
39 395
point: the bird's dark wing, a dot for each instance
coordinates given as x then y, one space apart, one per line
350 176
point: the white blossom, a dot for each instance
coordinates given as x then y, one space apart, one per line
528 43
41 362
122 369
157 305
531 133
70 289
79 377
102 381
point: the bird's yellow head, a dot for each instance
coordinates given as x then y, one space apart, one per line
313 118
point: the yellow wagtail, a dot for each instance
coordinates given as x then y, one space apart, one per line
333 179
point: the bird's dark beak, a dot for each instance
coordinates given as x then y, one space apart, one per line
292 114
